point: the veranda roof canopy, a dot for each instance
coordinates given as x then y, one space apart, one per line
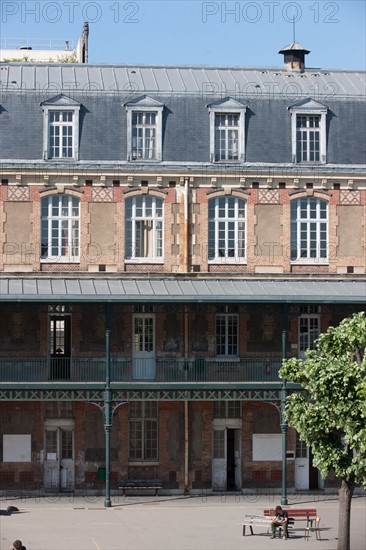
187 290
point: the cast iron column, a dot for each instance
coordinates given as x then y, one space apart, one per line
107 419
284 426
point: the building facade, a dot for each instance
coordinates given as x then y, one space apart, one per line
168 235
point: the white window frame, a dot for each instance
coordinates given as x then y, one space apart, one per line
311 226
68 221
227 107
309 109
47 109
216 223
145 106
157 233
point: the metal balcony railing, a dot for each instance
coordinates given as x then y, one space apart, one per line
129 369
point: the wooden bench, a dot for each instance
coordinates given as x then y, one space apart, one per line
133 484
307 514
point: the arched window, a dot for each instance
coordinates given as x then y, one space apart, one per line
226 228
144 228
60 228
309 229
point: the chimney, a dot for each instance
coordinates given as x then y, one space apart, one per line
85 37
294 57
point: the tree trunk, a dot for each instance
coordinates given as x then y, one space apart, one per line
344 514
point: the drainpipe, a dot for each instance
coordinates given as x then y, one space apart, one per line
284 426
186 333
186 417
186 227
186 448
107 416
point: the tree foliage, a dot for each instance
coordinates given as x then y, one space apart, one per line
330 412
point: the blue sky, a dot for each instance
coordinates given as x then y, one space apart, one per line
195 32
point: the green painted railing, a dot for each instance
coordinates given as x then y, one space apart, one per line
128 369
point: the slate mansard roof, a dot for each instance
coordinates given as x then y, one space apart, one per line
186 92
176 80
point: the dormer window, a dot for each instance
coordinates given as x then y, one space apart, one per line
227 136
144 135
61 128
144 129
308 122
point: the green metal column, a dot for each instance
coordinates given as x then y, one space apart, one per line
107 418
284 426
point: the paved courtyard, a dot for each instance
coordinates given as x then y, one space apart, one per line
146 522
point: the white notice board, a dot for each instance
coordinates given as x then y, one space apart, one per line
267 447
17 448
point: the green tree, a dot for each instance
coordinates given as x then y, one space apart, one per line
330 413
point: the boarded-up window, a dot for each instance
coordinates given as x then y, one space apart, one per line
17 448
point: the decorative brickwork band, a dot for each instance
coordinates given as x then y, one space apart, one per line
102 194
350 198
268 196
18 194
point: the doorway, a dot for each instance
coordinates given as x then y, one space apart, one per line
301 465
59 464
143 347
60 346
226 459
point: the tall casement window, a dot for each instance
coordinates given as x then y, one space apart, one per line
60 228
226 229
59 341
309 230
144 129
227 135
309 328
144 135
143 430
61 129
307 138
144 228
308 132
227 331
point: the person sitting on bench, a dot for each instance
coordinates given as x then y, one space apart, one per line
280 519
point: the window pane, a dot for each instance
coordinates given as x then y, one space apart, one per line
308 138
219 444
144 227
151 440
144 133
227 136
60 134
226 334
135 439
226 228
60 224
309 231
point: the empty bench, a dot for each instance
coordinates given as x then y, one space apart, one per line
134 484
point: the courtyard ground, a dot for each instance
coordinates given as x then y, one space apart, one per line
167 522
